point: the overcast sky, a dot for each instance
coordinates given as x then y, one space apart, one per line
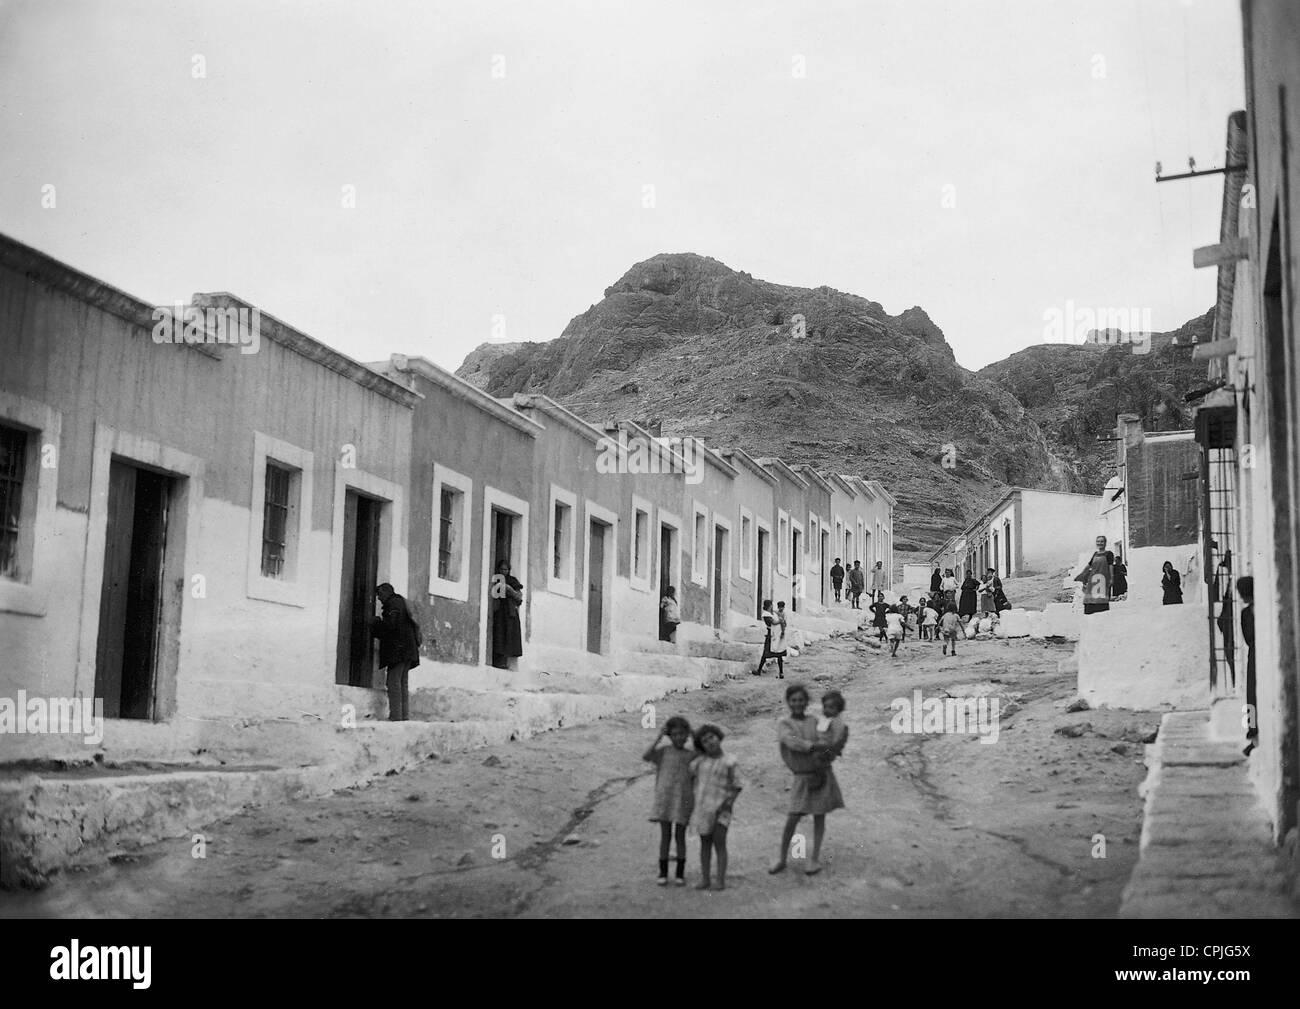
500 154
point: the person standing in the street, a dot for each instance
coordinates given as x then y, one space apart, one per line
674 798
950 627
774 640
399 648
969 587
837 578
986 593
800 749
879 580
1246 591
936 581
1096 577
1172 585
949 586
1119 577
717 783
857 584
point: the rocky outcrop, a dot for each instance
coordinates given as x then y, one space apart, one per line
814 375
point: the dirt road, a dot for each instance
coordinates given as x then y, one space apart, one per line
936 824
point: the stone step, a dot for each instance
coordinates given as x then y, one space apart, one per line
52 819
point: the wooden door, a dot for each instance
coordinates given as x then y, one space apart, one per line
596 588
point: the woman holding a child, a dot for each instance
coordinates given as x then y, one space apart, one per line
808 748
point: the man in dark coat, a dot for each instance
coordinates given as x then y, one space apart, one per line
837 578
399 648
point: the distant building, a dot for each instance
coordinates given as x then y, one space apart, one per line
1027 531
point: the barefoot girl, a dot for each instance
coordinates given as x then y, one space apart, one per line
799 750
717 783
673 798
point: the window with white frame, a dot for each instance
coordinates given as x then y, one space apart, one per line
280 521
642 548
561 544
746 544
449 562
782 542
700 545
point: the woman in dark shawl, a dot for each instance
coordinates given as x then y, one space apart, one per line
936 581
966 608
1172 585
507 637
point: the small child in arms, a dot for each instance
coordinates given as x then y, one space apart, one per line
832 732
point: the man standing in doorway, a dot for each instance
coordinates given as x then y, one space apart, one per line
837 578
399 648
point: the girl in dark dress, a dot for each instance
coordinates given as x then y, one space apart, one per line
1172 584
507 637
966 608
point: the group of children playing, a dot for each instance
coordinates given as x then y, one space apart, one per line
931 618
700 786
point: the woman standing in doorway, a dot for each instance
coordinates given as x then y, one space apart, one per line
507 596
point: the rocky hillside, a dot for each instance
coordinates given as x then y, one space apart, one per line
685 342
1074 392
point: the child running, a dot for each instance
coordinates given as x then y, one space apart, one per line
894 629
930 623
674 799
951 627
880 608
717 783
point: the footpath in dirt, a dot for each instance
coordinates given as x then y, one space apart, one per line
556 826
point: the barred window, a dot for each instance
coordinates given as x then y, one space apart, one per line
13 469
447 562
275 521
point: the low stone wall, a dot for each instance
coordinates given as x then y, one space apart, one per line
1144 657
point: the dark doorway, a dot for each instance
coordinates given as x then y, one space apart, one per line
502 548
822 558
665 576
760 572
130 604
797 586
596 588
356 647
719 554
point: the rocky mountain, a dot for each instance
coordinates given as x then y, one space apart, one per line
816 376
1073 392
